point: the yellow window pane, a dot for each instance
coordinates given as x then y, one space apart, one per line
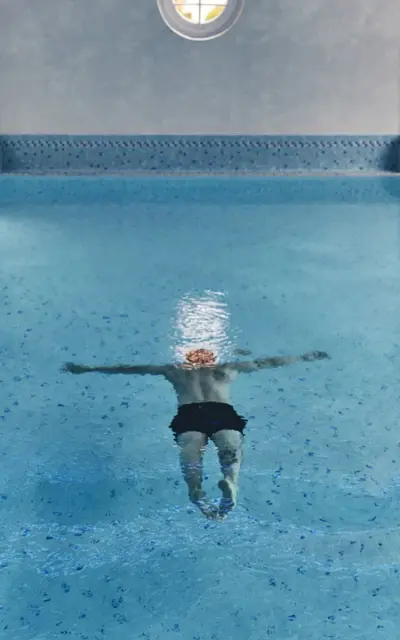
214 13
190 12
200 13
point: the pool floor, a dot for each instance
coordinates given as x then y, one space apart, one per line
98 539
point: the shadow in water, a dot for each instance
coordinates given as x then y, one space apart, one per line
391 159
391 164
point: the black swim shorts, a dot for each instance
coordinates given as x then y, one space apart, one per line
207 418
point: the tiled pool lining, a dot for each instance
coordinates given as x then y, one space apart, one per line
41 154
204 190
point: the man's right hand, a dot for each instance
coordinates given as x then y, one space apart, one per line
70 367
315 355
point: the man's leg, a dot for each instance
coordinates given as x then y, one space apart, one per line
230 452
192 445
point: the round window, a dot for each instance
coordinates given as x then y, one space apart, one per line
200 19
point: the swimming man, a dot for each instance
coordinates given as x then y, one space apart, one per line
204 412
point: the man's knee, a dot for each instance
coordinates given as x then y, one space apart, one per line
230 445
229 456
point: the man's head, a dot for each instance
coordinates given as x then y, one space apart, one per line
200 357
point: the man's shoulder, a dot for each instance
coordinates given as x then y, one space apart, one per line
173 371
226 370
223 370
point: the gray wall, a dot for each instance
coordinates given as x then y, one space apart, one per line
112 66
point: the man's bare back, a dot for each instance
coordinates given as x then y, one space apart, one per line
204 411
201 384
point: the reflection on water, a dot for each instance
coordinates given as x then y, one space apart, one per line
203 321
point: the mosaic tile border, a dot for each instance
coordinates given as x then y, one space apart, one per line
197 154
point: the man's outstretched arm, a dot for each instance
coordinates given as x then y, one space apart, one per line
127 369
277 361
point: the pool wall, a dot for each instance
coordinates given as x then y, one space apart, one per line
198 154
288 67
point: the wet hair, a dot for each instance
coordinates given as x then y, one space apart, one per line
200 356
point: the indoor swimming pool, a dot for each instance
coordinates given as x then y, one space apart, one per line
98 537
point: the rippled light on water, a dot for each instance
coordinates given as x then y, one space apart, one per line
202 321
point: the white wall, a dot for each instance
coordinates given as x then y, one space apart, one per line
112 66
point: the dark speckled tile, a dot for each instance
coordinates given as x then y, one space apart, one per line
199 153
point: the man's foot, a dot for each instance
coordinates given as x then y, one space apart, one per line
228 500
210 511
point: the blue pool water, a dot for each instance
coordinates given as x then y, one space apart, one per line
97 538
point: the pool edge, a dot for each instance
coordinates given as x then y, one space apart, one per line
263 154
